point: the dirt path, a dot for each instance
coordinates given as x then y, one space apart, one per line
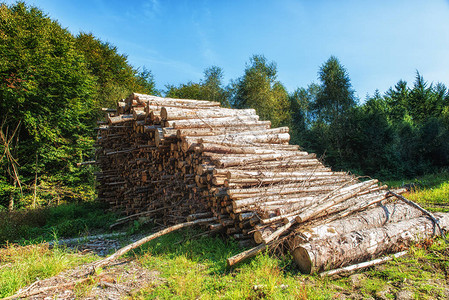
123 279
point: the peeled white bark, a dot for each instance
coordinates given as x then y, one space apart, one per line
173 113
370 218
363 245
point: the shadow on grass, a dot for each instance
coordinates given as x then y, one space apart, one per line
196 267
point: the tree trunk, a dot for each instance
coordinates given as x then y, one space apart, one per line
363 245
212 122
173 113
370 218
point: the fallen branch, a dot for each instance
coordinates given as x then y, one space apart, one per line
435 221
127 219
353 268
27 294
105 262
86 238
140 242
246 254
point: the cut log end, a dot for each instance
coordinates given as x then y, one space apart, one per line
302 259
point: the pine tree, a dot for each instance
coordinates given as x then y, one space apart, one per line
336 96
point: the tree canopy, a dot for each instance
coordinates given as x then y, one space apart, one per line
52 86
259 89
335 96
210 88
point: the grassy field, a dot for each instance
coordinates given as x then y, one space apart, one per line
194 268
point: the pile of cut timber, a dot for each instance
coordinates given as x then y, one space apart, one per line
176 160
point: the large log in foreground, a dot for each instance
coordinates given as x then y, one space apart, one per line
370 218
363 245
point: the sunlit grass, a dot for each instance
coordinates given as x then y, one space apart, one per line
430 191
22 265
436 198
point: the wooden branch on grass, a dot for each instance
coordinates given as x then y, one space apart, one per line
231 261
26 294
350 269
127 219
146 239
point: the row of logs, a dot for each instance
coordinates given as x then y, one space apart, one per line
176 160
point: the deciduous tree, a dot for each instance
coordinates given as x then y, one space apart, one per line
258 89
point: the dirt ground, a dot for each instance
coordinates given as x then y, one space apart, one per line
117 281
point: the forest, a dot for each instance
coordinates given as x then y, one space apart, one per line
53 85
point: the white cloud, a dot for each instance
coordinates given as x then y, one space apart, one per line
151 8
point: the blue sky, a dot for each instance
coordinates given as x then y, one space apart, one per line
378 42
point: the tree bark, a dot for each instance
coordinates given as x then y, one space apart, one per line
358 246
370 218
212 122
172 113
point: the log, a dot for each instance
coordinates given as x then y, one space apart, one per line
358 246
236 174
343 194
370 218
207 131
230 161
120 119
280 231
292 188
265 136
149 99
350 269
231 261
266 201
212 122
173 113
272 180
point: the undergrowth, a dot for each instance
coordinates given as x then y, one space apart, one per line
43 224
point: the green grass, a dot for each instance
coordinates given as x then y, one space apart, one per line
423 182
435 199
431 191
43 224
196 269
22 265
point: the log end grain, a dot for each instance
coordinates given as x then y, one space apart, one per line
303 260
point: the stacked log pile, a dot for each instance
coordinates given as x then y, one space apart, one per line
176 160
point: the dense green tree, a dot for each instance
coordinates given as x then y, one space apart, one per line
397 99
51 88
114 77
369 145
45 93
301 101
210 88
333 102
336 96
421 103
258 89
